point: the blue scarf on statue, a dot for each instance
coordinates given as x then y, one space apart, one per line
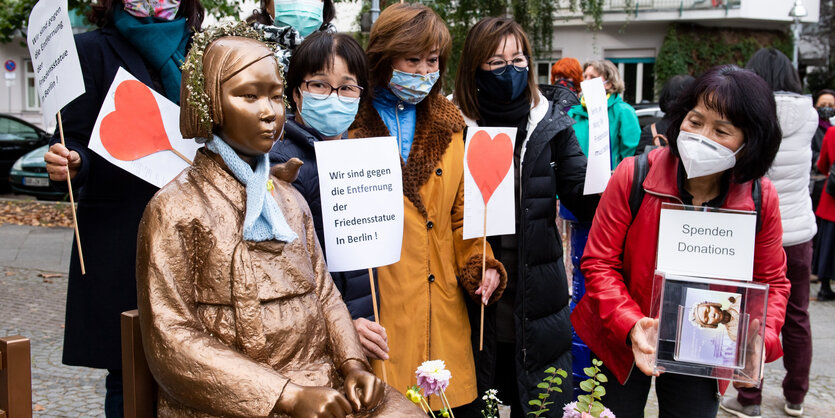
264 220
161 43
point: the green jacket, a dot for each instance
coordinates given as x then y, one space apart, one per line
624 130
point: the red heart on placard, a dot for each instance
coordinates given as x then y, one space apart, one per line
489 160
134 129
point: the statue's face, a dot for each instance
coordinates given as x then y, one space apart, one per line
708 314
253 108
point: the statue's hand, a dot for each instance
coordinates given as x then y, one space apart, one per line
363 389
312 402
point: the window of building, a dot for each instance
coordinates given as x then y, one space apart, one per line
32 100
638 75
543 69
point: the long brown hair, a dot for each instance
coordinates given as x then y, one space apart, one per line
481 44
404 29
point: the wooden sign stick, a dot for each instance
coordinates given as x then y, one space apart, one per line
483 270
376 314
72 202
183 157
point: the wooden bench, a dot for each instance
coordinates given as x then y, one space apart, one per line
15 377
139 387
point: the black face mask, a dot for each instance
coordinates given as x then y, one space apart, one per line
505 87
826 112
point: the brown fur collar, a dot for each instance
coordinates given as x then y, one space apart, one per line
433 134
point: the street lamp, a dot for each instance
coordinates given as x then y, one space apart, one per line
798 11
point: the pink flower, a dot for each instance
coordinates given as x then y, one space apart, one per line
570 411
607 413
433 377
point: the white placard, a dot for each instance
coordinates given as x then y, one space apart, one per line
716 244
361 190
489 160
52 47
599 167
159 115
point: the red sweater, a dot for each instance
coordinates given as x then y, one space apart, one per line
619 277
826 207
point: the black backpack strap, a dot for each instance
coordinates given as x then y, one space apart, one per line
636 195
756 194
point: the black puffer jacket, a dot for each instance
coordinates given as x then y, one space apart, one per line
298 142
553 164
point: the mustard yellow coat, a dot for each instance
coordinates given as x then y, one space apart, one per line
422 305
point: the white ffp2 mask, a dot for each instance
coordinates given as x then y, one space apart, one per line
702 156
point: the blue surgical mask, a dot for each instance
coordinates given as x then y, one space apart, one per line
305 16
507 86
329 116
412 88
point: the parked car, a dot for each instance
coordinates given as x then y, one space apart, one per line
28 176
648 113
17 137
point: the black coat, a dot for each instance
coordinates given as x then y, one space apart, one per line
298 142
553 165
110 205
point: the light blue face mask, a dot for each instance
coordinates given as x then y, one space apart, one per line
412 88
305 16
329 116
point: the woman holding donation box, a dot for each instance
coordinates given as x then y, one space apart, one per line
529 329
724 135
327 79
422 302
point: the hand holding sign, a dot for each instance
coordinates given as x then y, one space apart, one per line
488 160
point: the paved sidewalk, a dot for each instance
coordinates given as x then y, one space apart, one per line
36 248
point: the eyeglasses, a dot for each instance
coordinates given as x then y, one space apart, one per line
320 90
498 66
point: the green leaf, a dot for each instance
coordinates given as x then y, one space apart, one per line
542 385
548 379
601 378
587 385
550 370
597 408
600 391
589 371
585 399
535 402
596 362
558 390
562 373
543 395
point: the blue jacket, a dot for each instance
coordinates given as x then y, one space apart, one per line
298 142
399 117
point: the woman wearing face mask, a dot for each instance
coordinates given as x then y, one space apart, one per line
149 40
422 303
305 16
624 129
327 78
719 152
825 105
528 330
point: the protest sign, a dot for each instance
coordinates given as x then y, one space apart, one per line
716 244
135 125
488 180
599 167
51 44
361 189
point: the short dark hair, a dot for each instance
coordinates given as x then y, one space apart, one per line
672 89
776 69
101 13
747 102
821 93
481 43
316 53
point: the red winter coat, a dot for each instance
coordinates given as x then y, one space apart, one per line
619 280
826 207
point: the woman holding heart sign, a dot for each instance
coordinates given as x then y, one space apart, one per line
529 329
422 303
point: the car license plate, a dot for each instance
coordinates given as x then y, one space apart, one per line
36 181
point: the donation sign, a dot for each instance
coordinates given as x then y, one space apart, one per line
138 130
599 167
715 244
57 69
488 180
361 190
